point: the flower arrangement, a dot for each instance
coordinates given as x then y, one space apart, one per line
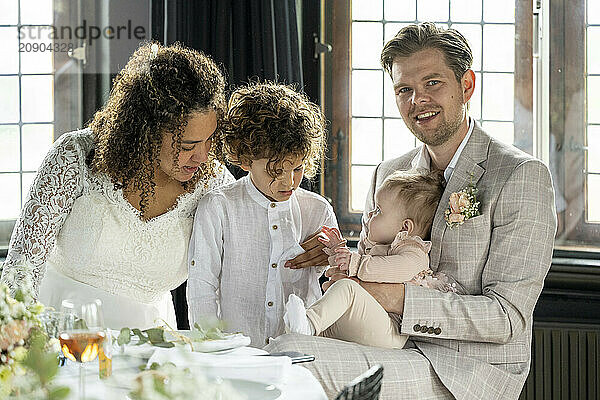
28 358
462 205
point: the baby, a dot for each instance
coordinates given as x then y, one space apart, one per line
245 232
395 252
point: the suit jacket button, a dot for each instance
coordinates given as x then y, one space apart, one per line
417 328
430 330
423 329
437 331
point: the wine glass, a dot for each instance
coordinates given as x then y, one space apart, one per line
81 333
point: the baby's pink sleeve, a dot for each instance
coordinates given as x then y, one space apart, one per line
393 268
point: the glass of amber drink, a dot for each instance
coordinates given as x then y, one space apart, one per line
81 333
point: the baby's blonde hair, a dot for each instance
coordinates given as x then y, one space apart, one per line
420 193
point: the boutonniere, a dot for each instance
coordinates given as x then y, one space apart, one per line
462 206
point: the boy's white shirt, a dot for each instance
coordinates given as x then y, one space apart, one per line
233 248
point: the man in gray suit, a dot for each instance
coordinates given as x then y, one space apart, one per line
474 346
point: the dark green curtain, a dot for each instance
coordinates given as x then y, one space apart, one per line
250 39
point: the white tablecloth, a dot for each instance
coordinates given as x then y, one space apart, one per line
297 383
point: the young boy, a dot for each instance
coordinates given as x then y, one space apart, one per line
405 206
246 231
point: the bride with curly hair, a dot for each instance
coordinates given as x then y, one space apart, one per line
110 212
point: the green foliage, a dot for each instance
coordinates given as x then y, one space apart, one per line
124 336
58 393
42 364
207 332
20 296
156 336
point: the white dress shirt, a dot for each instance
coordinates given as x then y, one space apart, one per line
423 160
239 245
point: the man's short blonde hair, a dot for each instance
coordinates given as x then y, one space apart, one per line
420 192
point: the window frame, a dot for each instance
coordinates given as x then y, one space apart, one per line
7 226
339 88
73 94
568 74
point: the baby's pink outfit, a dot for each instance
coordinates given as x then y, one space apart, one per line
406 259
348 312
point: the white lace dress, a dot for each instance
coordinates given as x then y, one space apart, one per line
78 237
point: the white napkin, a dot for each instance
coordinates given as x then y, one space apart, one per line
233 341
235 365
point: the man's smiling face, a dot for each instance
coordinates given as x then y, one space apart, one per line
430 99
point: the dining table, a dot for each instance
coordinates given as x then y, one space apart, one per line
251 372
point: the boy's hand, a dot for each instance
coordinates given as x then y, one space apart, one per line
313 255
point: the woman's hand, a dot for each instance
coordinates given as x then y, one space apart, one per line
312 257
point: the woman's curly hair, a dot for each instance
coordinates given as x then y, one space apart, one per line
273 121
156 92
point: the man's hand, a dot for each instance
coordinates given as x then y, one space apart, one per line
312 257
389 295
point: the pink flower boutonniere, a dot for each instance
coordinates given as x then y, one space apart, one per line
462 206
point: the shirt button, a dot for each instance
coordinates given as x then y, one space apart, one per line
417 328
437 331
193 263
424 329
270 304
272 205
267 341
430 330
273 265
274 226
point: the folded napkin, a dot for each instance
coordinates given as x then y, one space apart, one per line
236 365
231 342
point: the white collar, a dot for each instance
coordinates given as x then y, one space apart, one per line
423 159
260 198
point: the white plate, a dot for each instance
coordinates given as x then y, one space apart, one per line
249 390
255 390
231 342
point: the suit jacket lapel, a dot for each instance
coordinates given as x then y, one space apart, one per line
468 169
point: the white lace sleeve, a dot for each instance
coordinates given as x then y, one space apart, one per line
58 183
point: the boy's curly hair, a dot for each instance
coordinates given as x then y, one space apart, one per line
420 192
273 121
154 94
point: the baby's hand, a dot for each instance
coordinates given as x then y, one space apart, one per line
342 258
331 238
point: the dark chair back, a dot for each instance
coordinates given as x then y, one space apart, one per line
365 386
